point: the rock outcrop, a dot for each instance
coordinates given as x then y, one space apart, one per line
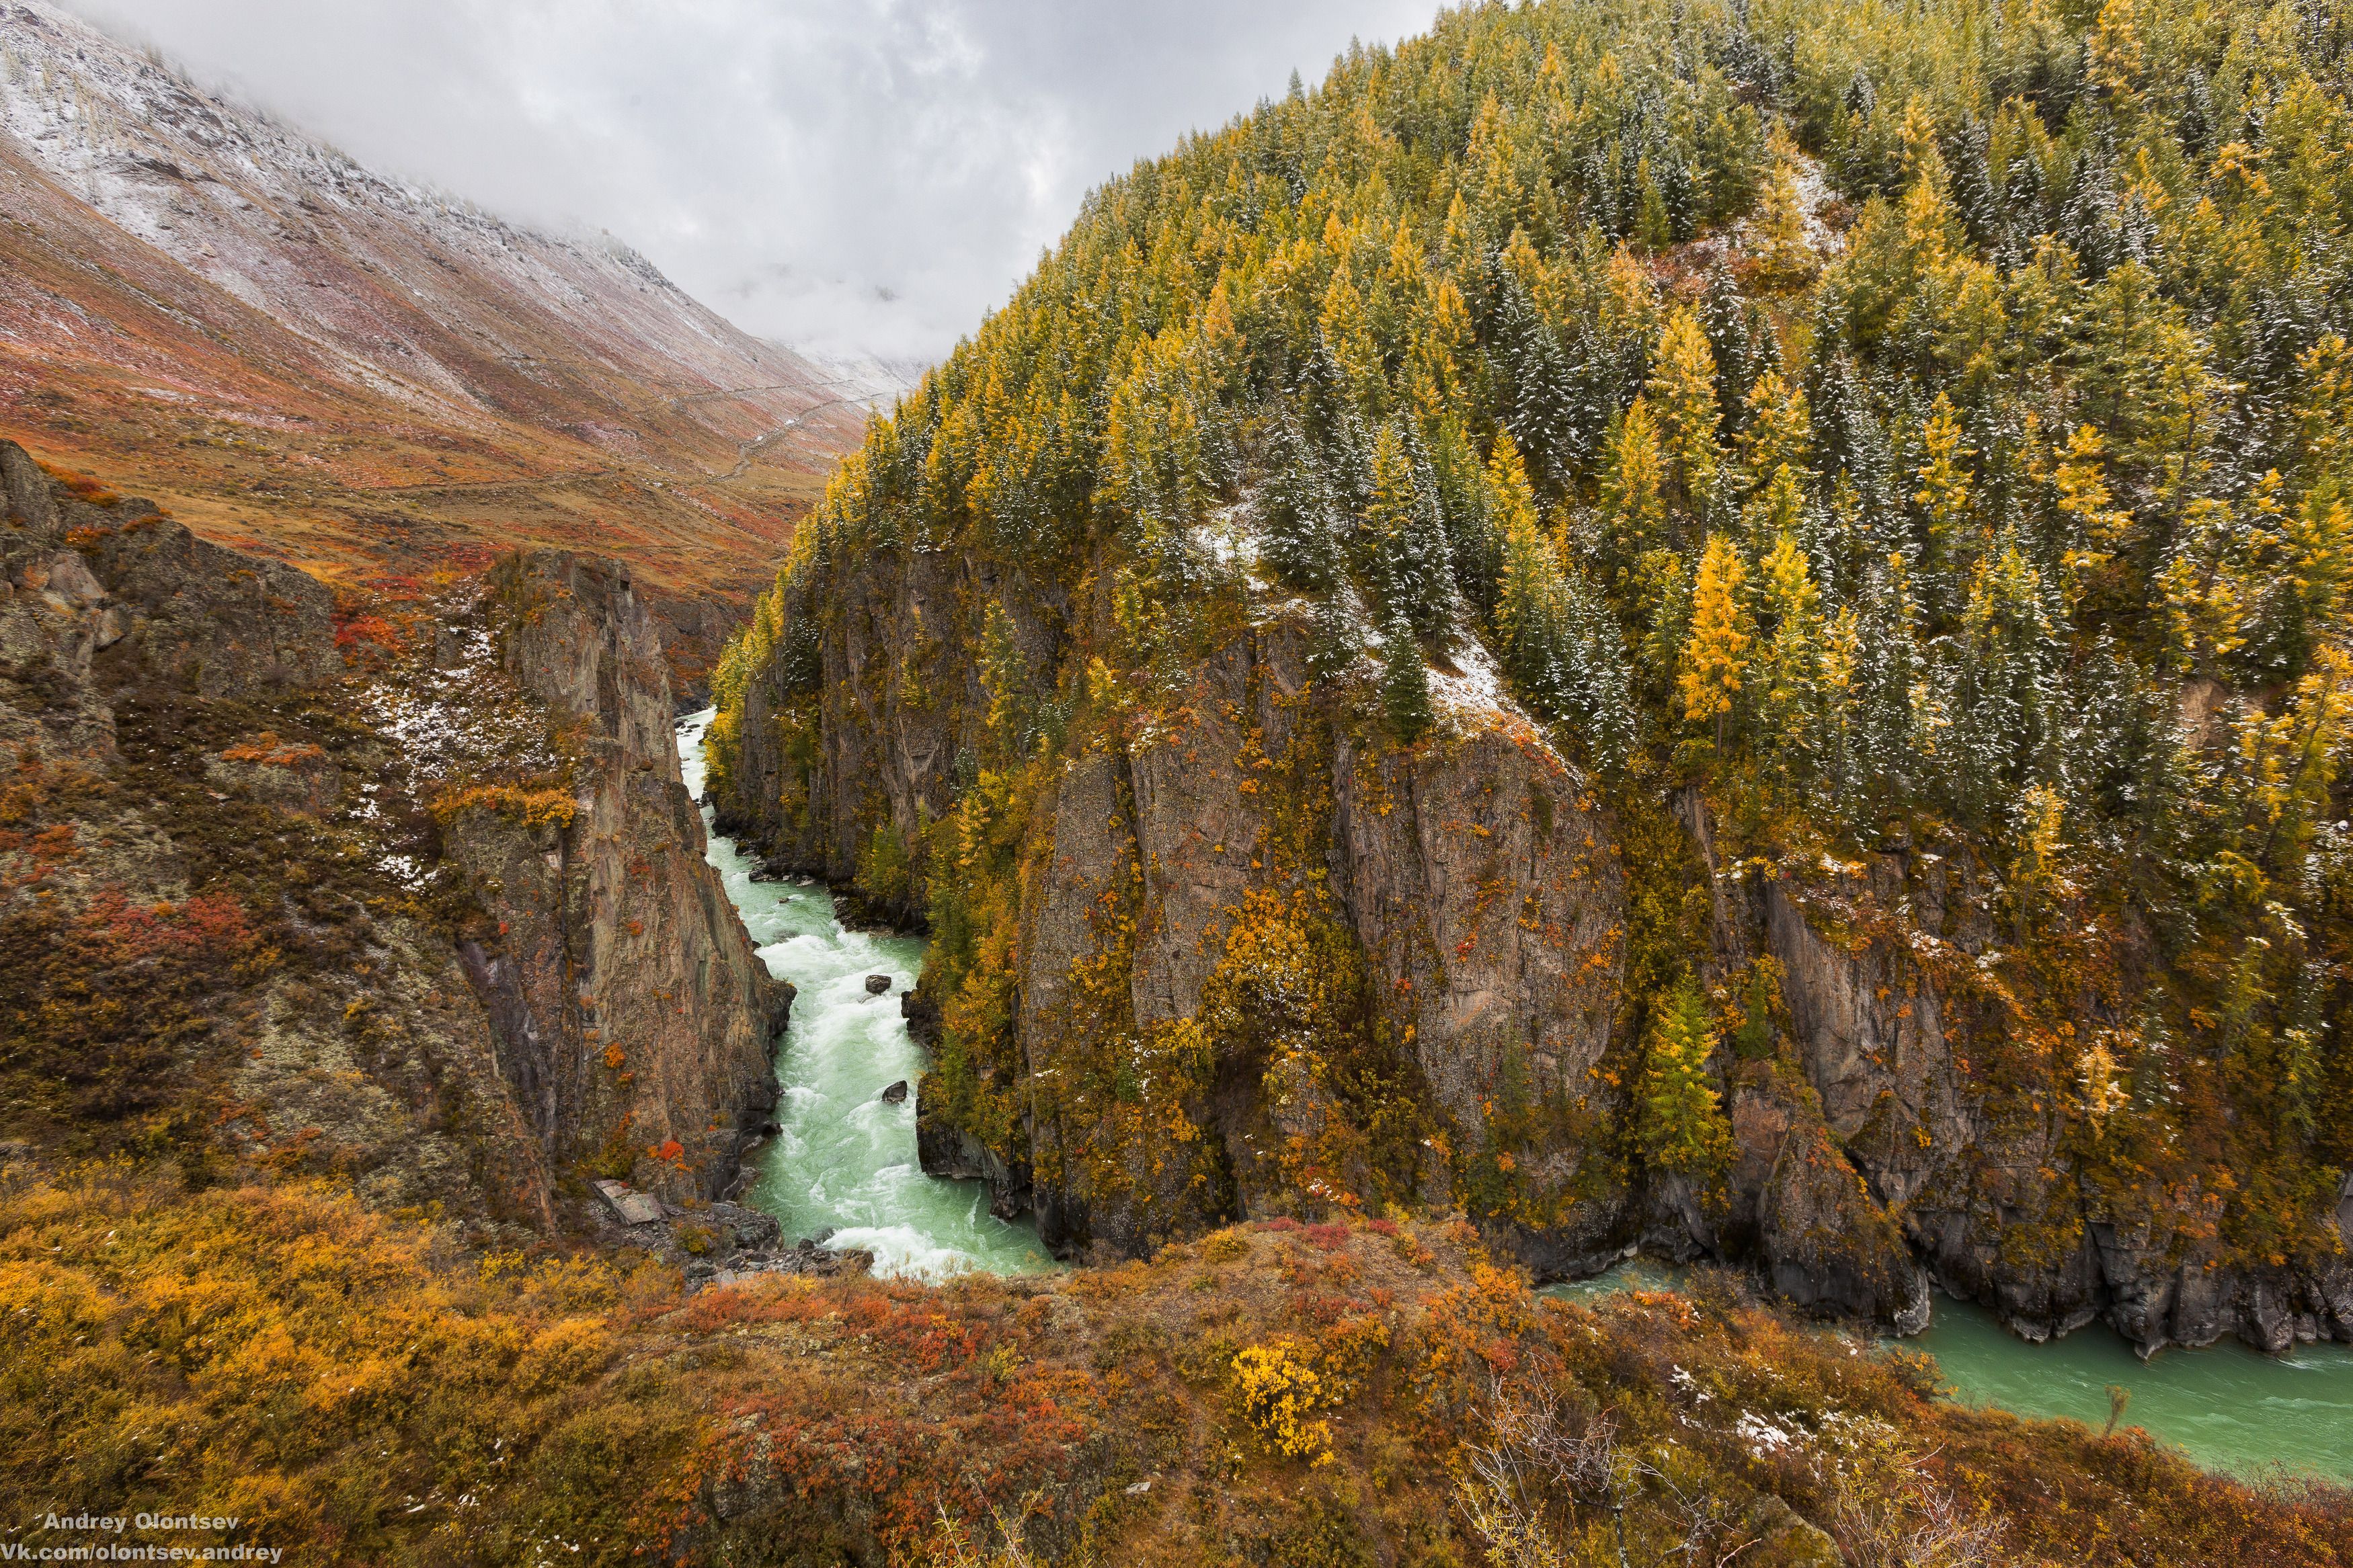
440 924
1254 957
636 1016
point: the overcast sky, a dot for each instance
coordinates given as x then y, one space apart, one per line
861 175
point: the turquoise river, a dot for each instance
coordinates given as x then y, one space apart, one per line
845 1162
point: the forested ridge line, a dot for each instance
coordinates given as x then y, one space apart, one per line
1899 427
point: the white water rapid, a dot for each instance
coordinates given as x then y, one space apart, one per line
845 1160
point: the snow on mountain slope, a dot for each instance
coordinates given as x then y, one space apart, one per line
362 374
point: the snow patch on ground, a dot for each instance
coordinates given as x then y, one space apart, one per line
459 708
1764 1436
1231 536
1814 193
1477 693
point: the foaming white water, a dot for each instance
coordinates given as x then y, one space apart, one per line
845 1162
904 1252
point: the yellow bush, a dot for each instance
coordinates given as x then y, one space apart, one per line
266 748
532 807
1280 1392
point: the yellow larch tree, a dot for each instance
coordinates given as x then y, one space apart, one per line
1945 478
1682 394
1716 653
1633 509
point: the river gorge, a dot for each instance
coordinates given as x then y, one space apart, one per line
845 1162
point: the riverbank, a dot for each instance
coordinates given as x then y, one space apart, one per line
2225 1406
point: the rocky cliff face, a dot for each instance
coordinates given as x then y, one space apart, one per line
435 918
1244 954
1900 997
636 1014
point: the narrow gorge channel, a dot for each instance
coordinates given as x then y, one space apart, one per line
844 1160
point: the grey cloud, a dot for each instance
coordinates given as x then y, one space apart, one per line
854 175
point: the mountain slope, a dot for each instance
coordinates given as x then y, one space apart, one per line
1719 627
304 357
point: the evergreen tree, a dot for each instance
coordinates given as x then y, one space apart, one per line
1782 258
1633 507
1682 394
1524 570
1347 338
1679 195
1473 544
1335 640
1790 663
2087 223
1557 641
2006 687
2090 526
1894 721
1776 510
1346 451
1405 681
1854 447
1654 225
1945 480
1539 408
1969 162
1297 521
2196 126
2305 606
1780 432
1862 97
1406 538
2025 198
1733 338
1682 1123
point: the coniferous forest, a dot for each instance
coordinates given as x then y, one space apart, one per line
1890 458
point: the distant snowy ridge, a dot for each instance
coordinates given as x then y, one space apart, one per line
282 221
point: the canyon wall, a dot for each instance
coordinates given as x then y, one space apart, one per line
422 905
1248 955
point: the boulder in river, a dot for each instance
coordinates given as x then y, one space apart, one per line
896 1094
877 984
